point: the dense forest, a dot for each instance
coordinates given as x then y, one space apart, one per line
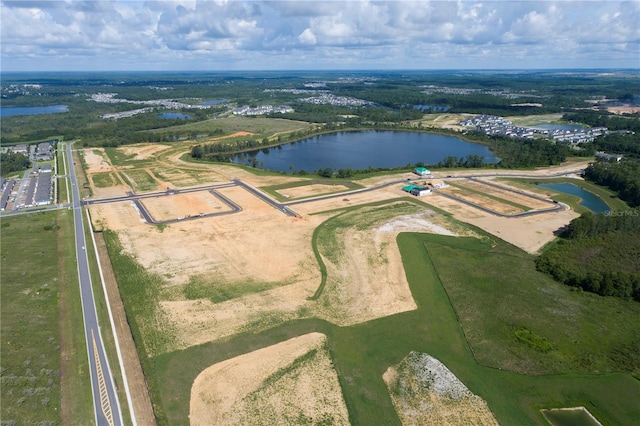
598 253
622 177
604 119
13 162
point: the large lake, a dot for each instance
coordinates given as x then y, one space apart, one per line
361 149
52 109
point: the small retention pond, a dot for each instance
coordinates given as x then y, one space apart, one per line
361 149
588 199
578 416
175 116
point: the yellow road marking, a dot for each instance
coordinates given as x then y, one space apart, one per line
105 404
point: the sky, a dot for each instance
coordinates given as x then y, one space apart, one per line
199 35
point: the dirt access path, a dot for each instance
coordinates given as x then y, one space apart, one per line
135 378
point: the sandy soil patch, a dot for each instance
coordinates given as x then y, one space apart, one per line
292 382
425 392
183 205
349 200
96 160
246 245
311 190
233 135
199 321
111 191
369 290
420 222
624 109
116 216
365 274
530 202
143 151
177 178
529 233
482 200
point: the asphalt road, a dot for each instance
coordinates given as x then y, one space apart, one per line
106 405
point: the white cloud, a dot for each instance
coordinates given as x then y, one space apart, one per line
409 34
307 37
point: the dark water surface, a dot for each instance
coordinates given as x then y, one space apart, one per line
361 149
589 199
52 109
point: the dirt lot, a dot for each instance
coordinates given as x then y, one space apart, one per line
311 190
529 233
143 151
284 383
184 205
523 200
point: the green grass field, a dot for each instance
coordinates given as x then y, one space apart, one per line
519 340
259 126
40 307
104 179
140 180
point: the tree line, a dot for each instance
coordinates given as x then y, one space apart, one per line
13 162
598 253
622 177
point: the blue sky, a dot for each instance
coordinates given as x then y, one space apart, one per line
75 35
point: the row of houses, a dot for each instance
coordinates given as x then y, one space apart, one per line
40 152
492 125
39 190
6 187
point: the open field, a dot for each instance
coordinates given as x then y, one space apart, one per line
212 290
232 125
44 373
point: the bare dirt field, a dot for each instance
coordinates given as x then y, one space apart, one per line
311 190
233 135
482 200
293 382
96 160
624 109
529 233
425 392
143 151
183 205
504 194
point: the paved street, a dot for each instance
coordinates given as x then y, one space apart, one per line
106 405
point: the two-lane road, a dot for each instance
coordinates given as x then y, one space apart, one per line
105 400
